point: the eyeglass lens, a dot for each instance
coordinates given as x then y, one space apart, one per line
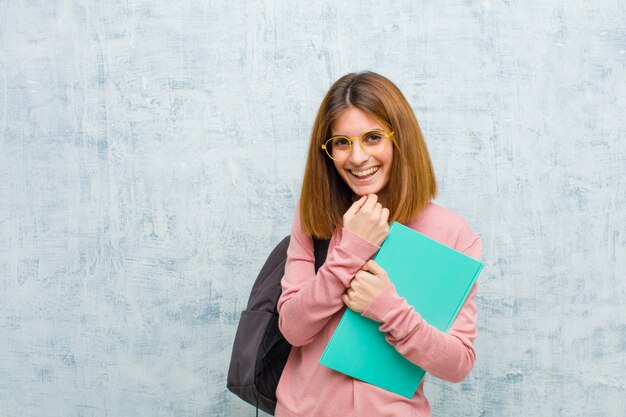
372 142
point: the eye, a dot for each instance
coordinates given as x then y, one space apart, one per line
372 138
340 142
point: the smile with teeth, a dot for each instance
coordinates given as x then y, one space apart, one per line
364 173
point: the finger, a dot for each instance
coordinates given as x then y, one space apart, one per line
345 299
356 205
368 206
362 282
378 209
385 215
374 268
360 275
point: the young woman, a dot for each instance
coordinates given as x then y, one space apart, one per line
367 166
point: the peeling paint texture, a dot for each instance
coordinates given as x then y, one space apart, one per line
152 153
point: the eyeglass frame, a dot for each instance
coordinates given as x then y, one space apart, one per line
388 135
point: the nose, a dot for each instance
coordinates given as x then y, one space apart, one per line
358 155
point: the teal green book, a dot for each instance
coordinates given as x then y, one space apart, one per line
434 278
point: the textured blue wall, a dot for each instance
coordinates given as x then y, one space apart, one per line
151 155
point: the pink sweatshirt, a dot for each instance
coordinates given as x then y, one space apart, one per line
310 308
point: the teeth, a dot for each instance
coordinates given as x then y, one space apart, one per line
364 173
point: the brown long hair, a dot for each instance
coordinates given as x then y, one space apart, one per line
325 197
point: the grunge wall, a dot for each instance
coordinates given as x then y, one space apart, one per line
151 155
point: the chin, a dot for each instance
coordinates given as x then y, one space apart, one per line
365 191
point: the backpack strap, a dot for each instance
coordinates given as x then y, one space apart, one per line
320 250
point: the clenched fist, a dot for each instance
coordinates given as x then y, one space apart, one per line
366 285
368 219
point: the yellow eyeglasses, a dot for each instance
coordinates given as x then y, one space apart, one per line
373 142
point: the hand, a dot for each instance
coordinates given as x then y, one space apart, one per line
368 219
366 285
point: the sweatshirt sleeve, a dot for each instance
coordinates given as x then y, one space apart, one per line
448 356
308 300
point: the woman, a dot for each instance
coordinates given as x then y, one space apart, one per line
367 166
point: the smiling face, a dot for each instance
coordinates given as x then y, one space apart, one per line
354 122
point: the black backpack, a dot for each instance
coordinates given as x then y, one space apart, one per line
260 351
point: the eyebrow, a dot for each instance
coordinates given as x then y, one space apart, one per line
368 130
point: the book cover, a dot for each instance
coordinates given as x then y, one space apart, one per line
434 278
